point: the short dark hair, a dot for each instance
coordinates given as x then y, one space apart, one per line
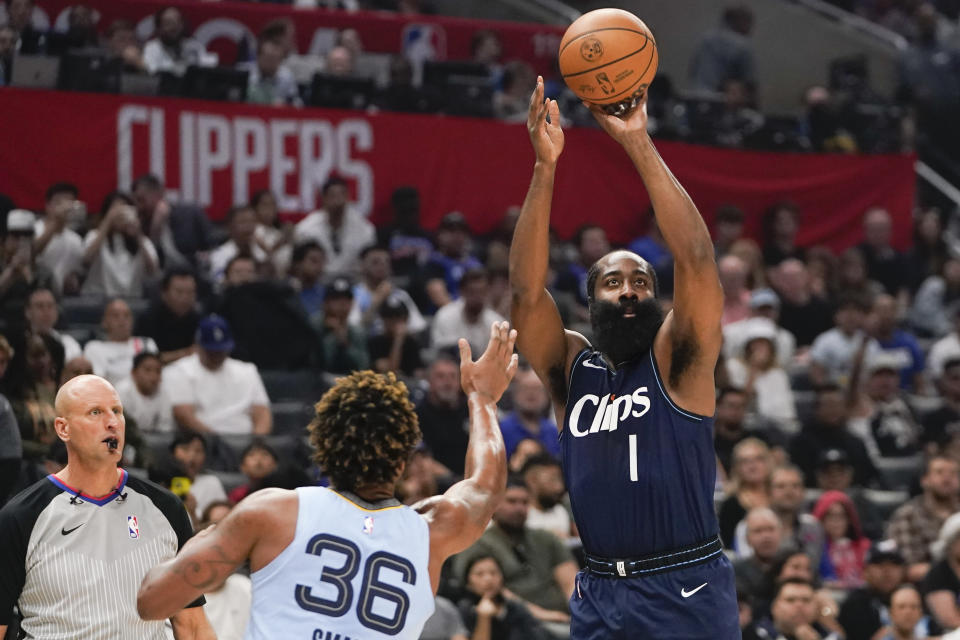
276 28
61 187
477 557
582 231
148 179
332 181
301 250
112 197
143 356
365 427
235 210
176 272
780 584
205 517
237 258
373 247
474 275
730 213
729 389
768 220
937 456
260 195
120 24
259 444
516 481
185 436
539 460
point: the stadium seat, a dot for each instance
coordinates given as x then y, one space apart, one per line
886 502
898 473
305 386
291 418
806 402
230 479
82 310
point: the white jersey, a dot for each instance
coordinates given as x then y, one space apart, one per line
352 572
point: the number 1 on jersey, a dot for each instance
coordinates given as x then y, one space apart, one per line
633 457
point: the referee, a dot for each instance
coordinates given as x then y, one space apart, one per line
75 546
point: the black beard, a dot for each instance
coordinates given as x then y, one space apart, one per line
623 339
548 501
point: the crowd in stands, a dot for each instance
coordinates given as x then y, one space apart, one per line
838 407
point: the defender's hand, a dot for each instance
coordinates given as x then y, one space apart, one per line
623 128
547 137
491 374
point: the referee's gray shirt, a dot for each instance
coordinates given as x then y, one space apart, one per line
73 563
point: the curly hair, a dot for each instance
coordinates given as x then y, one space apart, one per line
365 426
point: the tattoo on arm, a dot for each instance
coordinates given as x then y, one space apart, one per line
209 572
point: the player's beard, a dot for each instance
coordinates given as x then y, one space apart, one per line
623 339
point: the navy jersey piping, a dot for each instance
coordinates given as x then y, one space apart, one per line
696 417
573 368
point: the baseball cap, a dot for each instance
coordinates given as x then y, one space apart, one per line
833 456
20 221
884 551
884 361
393 307
764 297
214 334
339 288
454 220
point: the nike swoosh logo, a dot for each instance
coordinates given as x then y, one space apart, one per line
687 594
69 531
593 366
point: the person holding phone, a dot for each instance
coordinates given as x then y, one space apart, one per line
120 258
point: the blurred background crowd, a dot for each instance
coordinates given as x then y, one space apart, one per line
838 391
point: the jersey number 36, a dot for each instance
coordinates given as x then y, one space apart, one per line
371 587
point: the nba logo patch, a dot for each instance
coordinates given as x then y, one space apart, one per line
368 525
133 527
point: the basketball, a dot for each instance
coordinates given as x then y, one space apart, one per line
608 57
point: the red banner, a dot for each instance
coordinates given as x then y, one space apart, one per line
220 26
218 153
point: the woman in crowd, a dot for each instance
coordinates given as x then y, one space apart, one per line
273 236
758 372
748 485
120 259
841 565
489 611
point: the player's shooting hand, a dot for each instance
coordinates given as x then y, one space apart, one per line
491 374
547 137
622 128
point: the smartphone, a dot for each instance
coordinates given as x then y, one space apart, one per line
180 486
77 216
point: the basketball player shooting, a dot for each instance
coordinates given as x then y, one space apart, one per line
635 409
351 562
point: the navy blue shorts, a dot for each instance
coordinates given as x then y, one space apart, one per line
694 603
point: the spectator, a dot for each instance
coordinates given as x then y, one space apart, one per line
544 478
339 228
273 236
526 449
408 243
487 49
8 44
828 430
489 611
189 450
227 608
530 416
779 227
446 622
867 609
799 529
376 287
835 473
832 353
442 413
942 424
113 358
736 295
42 315
884 263
725 53
19 273
171 49
727 229
852 277
592 244
79 366
937 303
178 231
11 447
213 393
271 82
764 303
764 536
749 251
307 267
470 316
171 320
32 387
747 488
739 121
512 101
792 564
22 18
121 41
759 374
883 326
802 313
928 251
941 586
823 124
916 524
906 615
451 260
339 62
241 270
242 223
395 349
944 349
730 427
58 247
881 415
794 614
144 397
344 347
845 546
257 462
537 567
120 259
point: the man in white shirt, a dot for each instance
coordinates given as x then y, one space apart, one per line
171 50
57 247
831 355
242 224
42 314
469 316
113 358
374 289
144 397
764 303
544 478
339 228
213 393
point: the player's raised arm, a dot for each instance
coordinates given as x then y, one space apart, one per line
693 337
459 516
542 341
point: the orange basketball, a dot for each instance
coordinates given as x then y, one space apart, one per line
608 56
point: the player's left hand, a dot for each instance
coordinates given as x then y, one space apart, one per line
621 128
491 374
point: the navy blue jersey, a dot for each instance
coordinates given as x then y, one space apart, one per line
640 470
